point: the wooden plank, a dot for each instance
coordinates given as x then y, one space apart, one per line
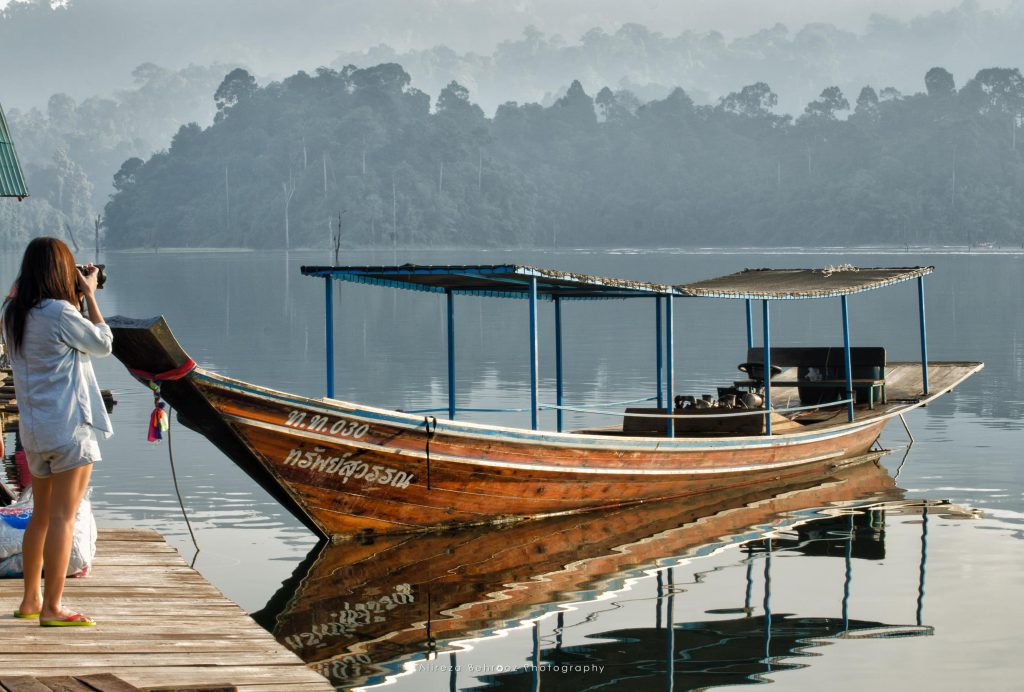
63 683
22 683
193 688
105 682
198 675
126 658
130 535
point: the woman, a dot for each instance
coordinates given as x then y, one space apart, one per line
49 342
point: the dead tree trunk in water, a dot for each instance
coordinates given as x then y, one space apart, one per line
289 192
97 222
71 236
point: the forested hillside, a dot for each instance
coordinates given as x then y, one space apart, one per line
283 160
71 149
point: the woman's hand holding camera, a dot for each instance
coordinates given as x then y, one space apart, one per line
88 277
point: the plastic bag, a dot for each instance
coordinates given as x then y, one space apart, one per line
13 521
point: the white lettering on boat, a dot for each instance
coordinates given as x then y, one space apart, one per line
315 459
351 617
318 423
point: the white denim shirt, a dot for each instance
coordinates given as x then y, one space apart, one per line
54 382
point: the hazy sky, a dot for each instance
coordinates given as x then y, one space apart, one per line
573 17
94 50
731 17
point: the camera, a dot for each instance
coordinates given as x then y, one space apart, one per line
101 277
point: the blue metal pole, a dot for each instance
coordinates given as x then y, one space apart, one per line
846 358
533 352
669 367
659 359
329 310
924 336
766 319
451 353
750 326
559 385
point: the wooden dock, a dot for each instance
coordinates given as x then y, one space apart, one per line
161 625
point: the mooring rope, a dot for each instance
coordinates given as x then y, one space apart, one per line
177 491
161 420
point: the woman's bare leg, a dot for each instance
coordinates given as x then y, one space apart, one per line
66 492
32 546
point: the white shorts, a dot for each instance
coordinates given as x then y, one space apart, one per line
84 449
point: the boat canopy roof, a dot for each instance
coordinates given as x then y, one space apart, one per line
494 280
788 284
513 281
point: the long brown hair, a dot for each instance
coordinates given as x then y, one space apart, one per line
47 271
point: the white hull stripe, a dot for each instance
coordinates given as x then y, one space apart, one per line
370 447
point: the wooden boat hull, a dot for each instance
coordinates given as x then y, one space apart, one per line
347 469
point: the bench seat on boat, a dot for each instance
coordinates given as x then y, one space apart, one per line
821 372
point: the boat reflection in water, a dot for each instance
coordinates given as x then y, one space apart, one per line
360 613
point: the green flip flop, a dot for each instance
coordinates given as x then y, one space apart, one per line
26 616
76 620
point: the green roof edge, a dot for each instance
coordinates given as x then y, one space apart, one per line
12 179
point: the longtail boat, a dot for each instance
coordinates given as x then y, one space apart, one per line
345 468
358 611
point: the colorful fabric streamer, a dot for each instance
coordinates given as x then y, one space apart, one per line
157 422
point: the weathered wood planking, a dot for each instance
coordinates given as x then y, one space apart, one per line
160 623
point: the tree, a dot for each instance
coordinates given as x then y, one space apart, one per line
995 89
753 101
125 176
238 86
828 104
867 104
454 97
615 107
939 82
576 107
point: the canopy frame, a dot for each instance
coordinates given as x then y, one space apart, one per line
534 284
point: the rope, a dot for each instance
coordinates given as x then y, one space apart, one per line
584 409
466 410
753 412
177 490
524 410
608 405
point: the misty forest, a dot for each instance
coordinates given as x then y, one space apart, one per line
216 156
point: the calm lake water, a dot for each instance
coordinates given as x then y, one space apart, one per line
879 588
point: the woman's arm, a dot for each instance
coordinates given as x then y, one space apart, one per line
87 284
91 335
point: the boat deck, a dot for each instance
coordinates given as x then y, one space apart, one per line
904 389
160 624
